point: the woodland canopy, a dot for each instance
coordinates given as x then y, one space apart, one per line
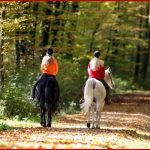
121 30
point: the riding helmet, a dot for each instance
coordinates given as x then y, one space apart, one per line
50 51
97 54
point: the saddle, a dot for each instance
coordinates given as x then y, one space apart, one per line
35 85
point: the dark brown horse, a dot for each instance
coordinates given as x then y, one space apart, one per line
46 90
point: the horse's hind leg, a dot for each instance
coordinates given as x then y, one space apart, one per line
93 116
49 120
43 112
97 116
88 118
97 119
48 97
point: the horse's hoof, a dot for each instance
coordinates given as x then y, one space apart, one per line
49 125
97 127
43 124
88 125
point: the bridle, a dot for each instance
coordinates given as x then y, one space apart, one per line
109 76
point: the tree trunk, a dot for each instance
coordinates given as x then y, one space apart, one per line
138 52
62 25
56 24
93 37
70 35
33 32
17 51
46 26
147 48
2 15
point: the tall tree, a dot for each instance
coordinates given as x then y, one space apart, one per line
17 46
46 24
138 52
2 15
146 50
72 26
95 30
63 21
33 31
56 23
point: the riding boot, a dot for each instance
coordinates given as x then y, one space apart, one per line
107 98
81 101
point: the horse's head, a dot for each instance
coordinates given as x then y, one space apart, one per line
108 78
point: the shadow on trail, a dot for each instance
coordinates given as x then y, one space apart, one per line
82 131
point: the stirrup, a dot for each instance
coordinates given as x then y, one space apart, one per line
81 101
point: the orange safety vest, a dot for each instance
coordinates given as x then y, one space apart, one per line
51 68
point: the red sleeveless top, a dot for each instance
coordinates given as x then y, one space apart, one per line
98 74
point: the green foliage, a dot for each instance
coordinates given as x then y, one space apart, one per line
15 99
33 118
71 78
4 127
122 85
112 27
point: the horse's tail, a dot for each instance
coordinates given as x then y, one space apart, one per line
33 95
88 94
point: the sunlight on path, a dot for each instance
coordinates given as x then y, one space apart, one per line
120 128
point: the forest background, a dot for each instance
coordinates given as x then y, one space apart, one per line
121 30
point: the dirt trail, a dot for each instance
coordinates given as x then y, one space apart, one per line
124 124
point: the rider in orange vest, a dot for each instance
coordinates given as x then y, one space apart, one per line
49 67
49 64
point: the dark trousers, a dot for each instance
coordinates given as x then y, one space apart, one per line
107 89
36 83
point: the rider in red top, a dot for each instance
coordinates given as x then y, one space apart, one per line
98 74
96 70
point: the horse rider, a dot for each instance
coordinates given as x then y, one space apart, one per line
49 64
96 70
49 67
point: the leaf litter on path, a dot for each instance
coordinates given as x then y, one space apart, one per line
120 128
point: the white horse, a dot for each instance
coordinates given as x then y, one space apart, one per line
95 93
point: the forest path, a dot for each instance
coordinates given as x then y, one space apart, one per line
124 124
